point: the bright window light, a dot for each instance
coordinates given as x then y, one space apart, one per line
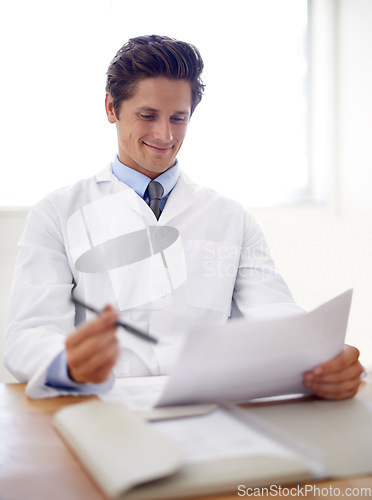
247 138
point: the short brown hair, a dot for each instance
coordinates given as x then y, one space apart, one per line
152 56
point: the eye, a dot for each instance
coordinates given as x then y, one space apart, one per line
178 119
144 116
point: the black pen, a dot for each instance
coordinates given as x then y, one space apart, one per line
127 327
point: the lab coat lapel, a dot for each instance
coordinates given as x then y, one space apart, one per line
129 198
179 199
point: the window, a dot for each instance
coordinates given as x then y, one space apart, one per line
248 137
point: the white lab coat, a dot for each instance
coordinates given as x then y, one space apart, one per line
205 260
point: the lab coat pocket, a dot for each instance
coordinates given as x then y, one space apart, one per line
211 272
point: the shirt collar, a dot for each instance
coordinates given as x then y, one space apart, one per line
139 182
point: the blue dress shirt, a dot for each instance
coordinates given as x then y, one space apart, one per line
139 182
57 373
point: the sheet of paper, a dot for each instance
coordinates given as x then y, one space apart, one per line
216 436
260 358
242 360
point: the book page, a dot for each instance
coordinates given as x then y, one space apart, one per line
217 436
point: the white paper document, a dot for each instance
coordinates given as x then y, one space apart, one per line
244 360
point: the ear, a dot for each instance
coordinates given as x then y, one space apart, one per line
109 105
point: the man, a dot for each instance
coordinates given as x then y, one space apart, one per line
167 255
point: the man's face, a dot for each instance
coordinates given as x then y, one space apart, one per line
152 124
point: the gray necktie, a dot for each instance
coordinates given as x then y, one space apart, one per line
155 191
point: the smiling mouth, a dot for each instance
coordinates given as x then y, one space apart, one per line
158 150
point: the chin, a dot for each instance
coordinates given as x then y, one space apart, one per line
159 169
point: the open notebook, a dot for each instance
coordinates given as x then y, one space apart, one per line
219 451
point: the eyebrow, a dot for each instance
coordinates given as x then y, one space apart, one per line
153 110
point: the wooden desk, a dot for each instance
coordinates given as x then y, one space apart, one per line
36 465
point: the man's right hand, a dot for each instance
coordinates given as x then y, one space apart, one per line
93 349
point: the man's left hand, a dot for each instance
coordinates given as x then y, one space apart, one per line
338 378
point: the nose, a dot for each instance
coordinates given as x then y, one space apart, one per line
162 131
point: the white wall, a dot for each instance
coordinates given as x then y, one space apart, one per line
355 105
11 226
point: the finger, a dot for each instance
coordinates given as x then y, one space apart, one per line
102 367
95 340
97 367
336 391
84 351
348 356
350 372
332 396
98 373
94 327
